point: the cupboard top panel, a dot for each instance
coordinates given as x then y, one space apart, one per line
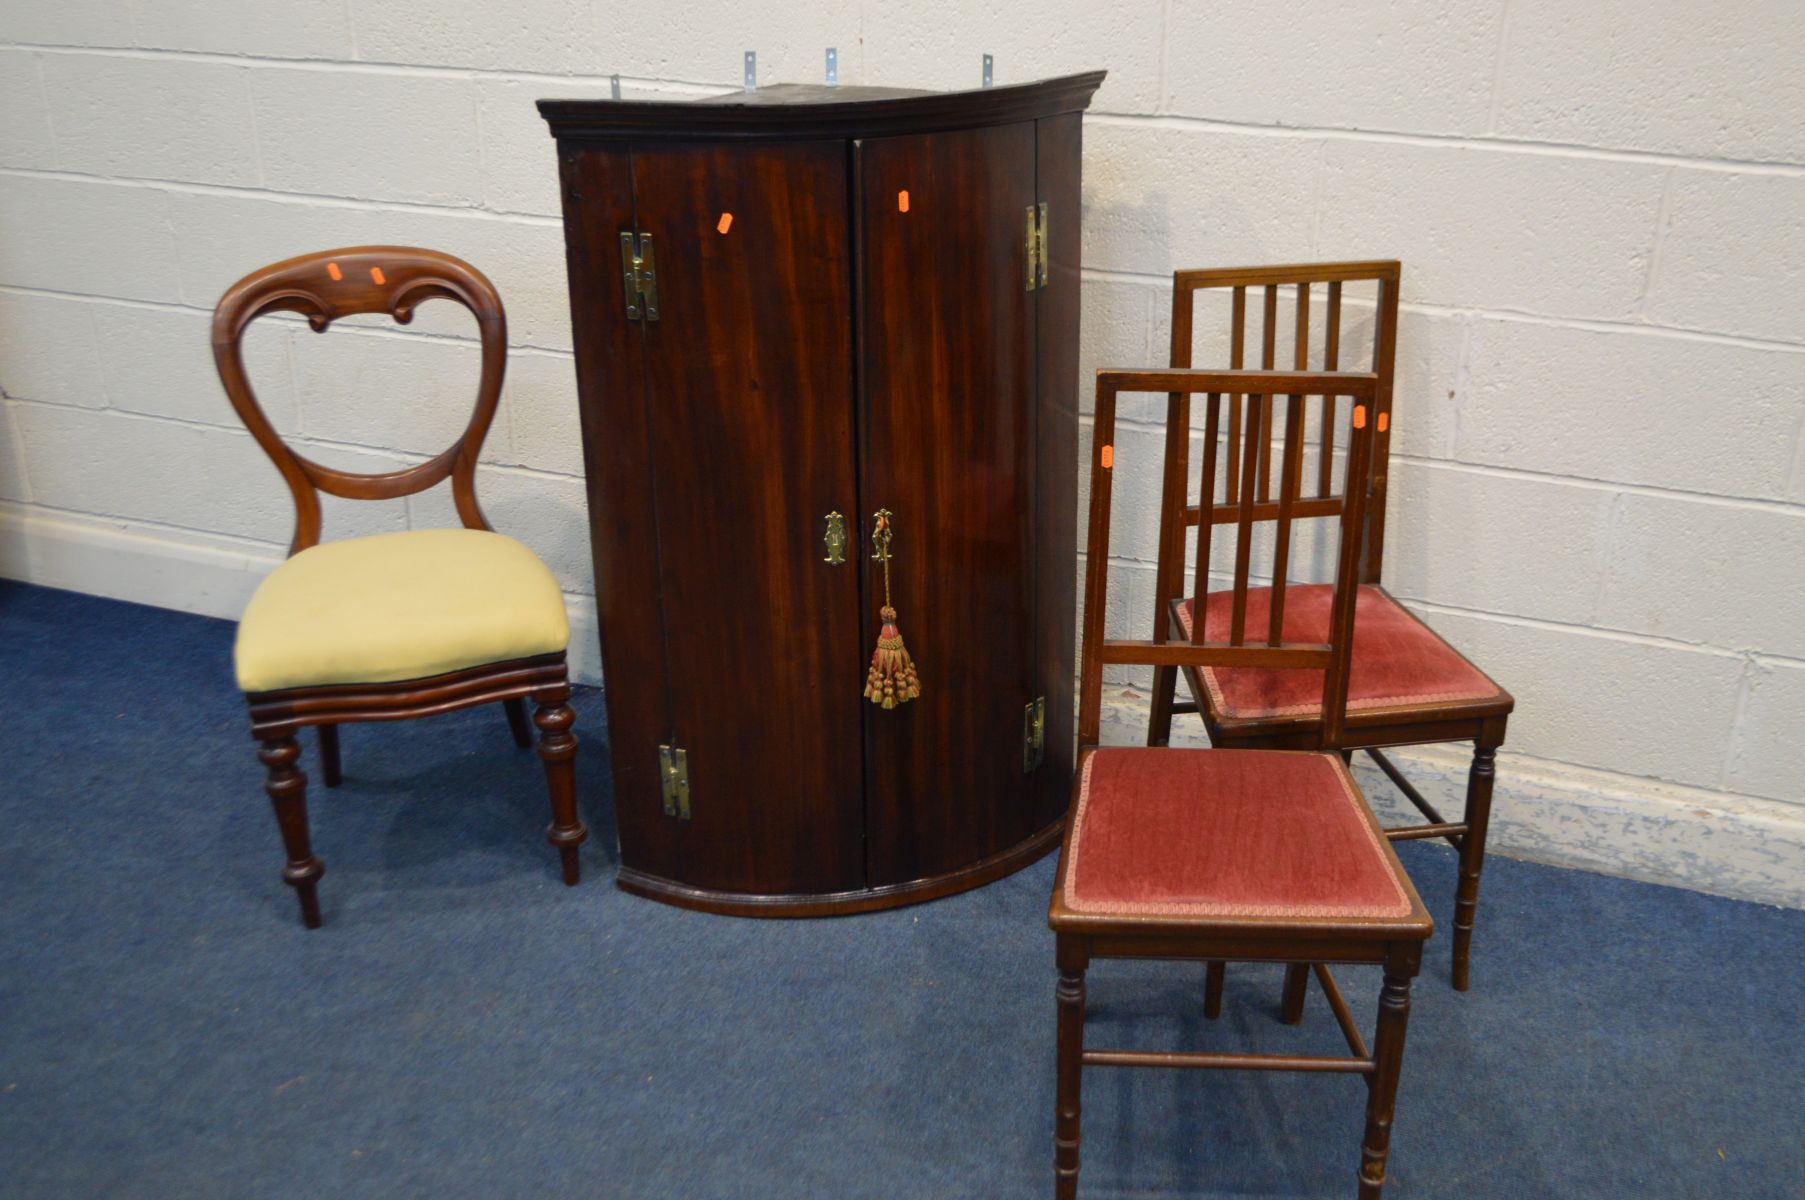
808 111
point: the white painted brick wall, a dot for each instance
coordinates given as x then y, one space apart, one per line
1600 449
1335 65
1717 81
1732 255
1627 407
122 123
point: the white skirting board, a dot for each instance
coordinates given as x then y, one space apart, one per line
1542 810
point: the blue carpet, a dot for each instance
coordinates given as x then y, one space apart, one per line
465 1026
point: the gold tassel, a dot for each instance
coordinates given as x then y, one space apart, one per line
892 679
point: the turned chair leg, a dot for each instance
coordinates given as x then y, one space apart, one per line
1472 857
1388 1057
517 721
287 788
558 747
1214 976
1070 995
1297 986
1165 690
329 758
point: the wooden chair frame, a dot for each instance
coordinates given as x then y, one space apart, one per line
1480 722
1304 943
394 280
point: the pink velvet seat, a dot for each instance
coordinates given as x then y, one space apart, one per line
1399 663
1227 833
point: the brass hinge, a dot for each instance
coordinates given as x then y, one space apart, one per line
1034 733
673 781
640 275
1038 267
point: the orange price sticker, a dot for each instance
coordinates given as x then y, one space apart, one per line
376 275
334 272
725 223
902 202
1109 457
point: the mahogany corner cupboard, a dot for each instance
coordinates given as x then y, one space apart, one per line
793 308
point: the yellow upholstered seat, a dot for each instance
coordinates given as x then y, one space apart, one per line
398 606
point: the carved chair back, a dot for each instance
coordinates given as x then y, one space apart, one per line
1248 398
363 279
1303 281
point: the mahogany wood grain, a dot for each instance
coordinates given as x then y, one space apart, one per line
614 413
277 716
1215 976
956 410
1059 157
330 284
1472 847
1169 569
293 708
1388 1058
1070 1080
518 724
1291 1005
332 771
749 367
1206 530
946 423
856 900
1258 438
1268 359
1331 361
1237 359
558 749
1385 356
1131 651
287 789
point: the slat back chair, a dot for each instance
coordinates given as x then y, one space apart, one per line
1221 855
1407 685
1266 284
1254 409
394 625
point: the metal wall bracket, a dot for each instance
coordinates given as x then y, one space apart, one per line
1038 268
673 781
751 80
614 87
1034 734
833 67
639 275
989 71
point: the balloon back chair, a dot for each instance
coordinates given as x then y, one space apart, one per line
394 625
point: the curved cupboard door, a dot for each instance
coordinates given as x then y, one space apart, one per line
749 401
947 445
1059 154
610 361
